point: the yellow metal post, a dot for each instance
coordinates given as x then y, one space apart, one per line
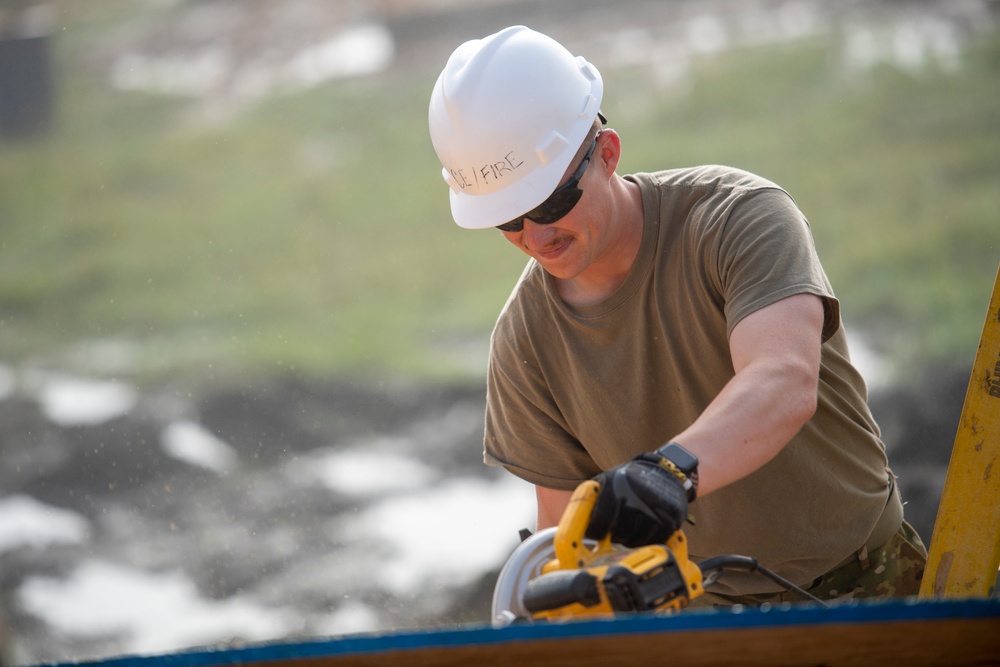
965 548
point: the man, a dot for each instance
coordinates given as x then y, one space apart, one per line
685 307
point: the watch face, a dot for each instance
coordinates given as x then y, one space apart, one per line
681 457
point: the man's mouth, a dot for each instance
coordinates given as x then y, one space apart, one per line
553 250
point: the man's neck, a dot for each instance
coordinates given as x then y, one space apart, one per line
610 270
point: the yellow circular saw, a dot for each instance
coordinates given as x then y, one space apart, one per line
558 573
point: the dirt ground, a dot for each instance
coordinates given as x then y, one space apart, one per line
251 531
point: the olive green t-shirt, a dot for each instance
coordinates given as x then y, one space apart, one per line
573 391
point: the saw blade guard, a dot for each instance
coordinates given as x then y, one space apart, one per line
523 565
551 549
527 562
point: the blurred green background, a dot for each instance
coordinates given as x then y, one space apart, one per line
309 232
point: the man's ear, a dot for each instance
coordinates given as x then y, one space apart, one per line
609 150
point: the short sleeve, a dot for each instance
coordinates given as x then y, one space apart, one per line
525 431
766 253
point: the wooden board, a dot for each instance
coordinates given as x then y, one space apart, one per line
948 632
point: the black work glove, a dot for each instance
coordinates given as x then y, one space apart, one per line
640 503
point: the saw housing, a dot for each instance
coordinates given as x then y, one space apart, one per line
603 579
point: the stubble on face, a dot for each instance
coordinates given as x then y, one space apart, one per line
554 247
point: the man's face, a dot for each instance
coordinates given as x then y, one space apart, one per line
567 247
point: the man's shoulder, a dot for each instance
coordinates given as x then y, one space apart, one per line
709 177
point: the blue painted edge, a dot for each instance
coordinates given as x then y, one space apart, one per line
480 635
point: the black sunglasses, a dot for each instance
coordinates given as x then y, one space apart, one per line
559 203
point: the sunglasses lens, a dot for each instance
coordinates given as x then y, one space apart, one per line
559 204
554 208
512 226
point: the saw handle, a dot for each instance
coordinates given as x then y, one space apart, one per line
560 589
590 577
571 552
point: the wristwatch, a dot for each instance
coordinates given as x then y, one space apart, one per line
686 463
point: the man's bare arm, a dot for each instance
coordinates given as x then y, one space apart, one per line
776 356
551 504
776 353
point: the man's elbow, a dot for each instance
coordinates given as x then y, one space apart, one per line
805 396
807 405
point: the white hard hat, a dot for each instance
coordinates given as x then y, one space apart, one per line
507 115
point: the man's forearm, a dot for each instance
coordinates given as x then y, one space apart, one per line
749 422
776 357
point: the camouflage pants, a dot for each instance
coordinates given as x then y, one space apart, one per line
892 570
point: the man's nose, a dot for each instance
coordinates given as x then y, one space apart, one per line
536 235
